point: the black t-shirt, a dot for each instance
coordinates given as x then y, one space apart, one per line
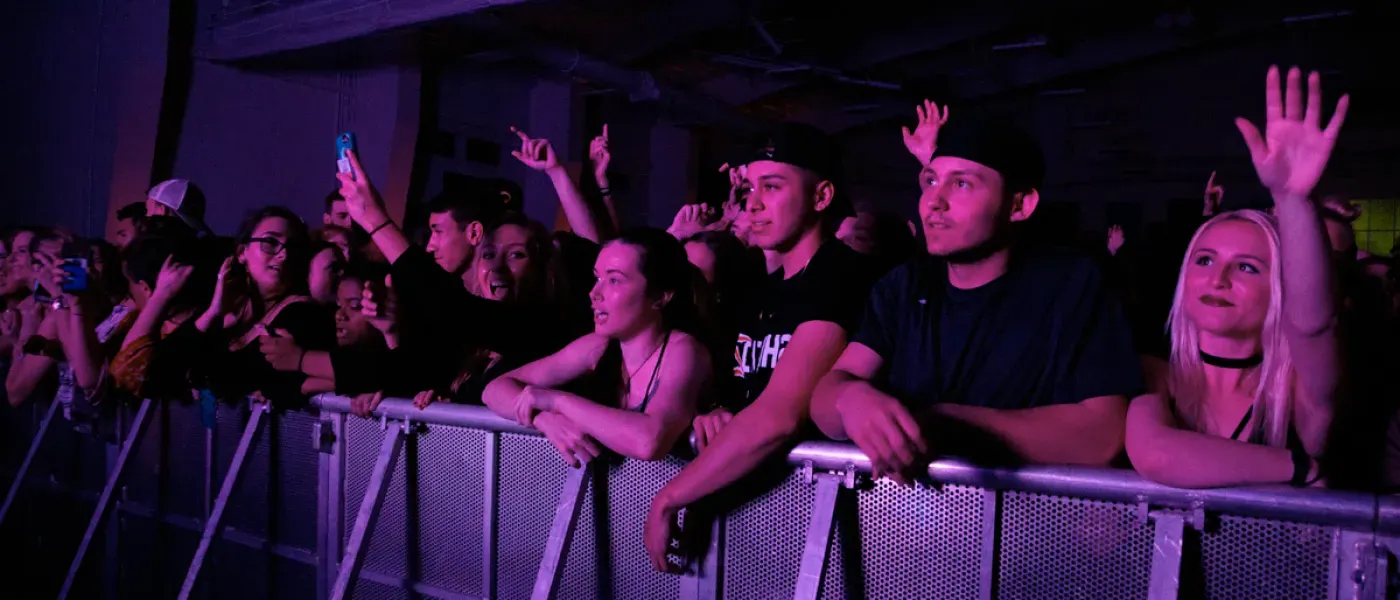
832 288
1047 332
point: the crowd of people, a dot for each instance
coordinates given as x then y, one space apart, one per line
779 314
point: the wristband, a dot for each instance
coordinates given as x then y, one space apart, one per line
381 226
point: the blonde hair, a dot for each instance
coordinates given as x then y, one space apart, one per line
1186 371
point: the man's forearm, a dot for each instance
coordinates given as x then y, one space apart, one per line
826 400
745 443
1070 434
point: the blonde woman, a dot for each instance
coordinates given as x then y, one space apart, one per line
1247 394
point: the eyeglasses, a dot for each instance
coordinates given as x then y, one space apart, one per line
270 246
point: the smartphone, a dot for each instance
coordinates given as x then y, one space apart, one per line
343 142
77 270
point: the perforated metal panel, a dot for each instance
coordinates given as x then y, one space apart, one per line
1249 559
168 470
763 542
532 475
294 480
451 463
905 543
623 571
1056 547
154 557
386 553
250 506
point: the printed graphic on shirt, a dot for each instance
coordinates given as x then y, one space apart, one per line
752 356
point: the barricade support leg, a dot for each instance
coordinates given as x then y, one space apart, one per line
357 548
104 502
818 544
216 514
1165 580
556 548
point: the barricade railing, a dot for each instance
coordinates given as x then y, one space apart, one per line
454 502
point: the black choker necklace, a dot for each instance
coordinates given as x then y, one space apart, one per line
1232 363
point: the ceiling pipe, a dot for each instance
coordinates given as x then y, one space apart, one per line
767 38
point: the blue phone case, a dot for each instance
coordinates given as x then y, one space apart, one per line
77 271
343 142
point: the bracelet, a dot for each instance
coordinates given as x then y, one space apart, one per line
1302 463
381 226
301 362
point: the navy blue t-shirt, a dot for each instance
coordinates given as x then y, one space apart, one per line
1047 332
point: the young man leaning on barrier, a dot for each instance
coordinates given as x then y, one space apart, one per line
1026 353
790 331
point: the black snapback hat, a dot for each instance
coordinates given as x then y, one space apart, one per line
1000 146
797 145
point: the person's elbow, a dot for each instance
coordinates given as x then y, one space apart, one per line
17 392
498 394
15 399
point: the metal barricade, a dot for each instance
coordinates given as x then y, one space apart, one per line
1039 532
468 505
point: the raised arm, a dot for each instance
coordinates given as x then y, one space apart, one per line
509 394
1290 156
1167 454
539 155
647 435
601 155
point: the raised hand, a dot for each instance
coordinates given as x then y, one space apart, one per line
1214 193
537 154
1294 149
173 275
1115 239
380 310
50 274
690 220
923 141
600 157
361 199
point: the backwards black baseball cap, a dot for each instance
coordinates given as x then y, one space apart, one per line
797 145
1002 147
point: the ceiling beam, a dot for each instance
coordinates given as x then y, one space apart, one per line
928 34
232 37
1036 68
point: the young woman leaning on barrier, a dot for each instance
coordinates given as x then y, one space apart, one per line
639 374
1247 395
